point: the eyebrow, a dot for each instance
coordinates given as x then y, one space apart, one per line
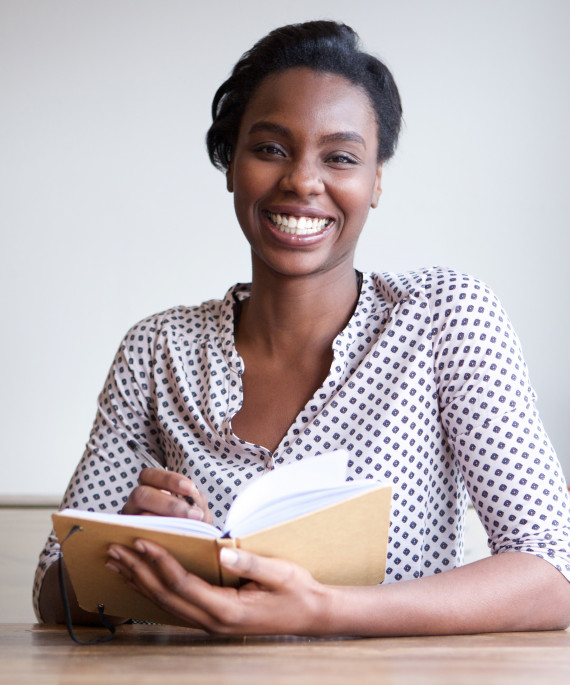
339 137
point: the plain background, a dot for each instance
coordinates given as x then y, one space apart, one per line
110 210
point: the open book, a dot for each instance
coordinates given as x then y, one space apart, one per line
305 512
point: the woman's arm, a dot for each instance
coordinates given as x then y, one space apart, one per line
508 592
109 477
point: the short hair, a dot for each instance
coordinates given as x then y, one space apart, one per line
325 46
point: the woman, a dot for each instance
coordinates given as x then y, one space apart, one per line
418 376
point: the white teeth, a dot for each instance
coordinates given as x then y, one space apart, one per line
302 225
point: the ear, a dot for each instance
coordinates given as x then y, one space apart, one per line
230 179
377 189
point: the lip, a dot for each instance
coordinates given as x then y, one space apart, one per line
292 240
292 210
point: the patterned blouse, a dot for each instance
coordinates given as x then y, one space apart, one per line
427 390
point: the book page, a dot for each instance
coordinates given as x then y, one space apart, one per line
290 507
165 523
311 474
286 492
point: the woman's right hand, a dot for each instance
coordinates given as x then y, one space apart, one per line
166 493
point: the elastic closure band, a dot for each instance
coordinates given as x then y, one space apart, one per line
65 600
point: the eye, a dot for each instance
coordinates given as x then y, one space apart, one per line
341 159
270 150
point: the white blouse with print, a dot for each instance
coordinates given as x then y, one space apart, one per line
428 390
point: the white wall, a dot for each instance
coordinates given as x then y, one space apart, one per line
109 209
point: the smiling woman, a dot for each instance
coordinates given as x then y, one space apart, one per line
418 376
306 151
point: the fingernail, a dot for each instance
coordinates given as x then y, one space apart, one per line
114 554
196 514
139 546
186 487
228 556
112 567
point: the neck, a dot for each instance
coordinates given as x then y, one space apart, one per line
288 315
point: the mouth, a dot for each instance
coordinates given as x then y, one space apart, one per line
298 225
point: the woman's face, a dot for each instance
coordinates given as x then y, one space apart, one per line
304 171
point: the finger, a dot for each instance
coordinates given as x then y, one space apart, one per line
146 499
217 607
178 485
159 577
273 574
170 481
141 577
201 501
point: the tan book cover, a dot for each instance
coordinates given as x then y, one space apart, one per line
343 543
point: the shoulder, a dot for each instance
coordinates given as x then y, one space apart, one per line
193 323
453 305
446 291
181 318
436 283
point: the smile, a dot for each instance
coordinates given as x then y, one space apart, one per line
298 225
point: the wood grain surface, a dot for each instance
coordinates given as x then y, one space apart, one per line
165 655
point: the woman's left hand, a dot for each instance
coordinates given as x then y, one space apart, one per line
279 598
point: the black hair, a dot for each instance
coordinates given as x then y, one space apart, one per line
325 46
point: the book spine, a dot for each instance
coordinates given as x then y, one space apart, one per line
226 578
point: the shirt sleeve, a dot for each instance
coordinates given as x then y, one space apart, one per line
108 470
511 471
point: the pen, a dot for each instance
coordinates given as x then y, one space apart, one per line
149 460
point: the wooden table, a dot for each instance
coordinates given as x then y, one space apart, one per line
163 655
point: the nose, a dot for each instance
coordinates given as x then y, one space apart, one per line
302 177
